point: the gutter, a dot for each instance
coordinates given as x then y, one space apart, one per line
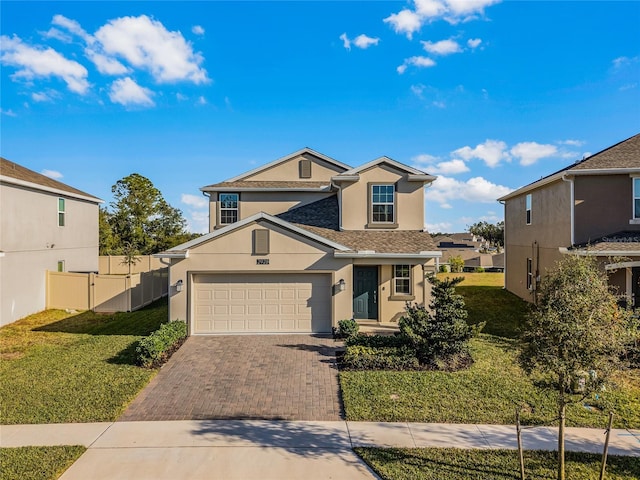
566 178
598 253
44 188
180 255
373 254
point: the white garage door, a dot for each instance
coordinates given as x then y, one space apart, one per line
262 303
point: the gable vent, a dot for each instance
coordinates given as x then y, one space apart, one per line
305 168
261 242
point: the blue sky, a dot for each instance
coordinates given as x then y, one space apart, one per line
486 95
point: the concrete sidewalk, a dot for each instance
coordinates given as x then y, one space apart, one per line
248 449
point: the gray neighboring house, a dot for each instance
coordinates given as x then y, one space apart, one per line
44 225
589 208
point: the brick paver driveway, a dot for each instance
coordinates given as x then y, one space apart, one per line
289 377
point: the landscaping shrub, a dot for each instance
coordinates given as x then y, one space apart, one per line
348 328
377 341
440 336
359 357
158 347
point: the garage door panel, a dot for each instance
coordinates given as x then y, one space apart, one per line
255 303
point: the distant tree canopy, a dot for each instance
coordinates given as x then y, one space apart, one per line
139 220
494 234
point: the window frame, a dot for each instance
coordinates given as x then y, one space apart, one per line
62 212
393 204
635 205
222 210
403 278
527 206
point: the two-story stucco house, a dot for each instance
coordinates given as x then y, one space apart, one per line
303 242
589 208
44 225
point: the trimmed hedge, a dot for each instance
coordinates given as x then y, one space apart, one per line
348 328
377 341
359 357
156 349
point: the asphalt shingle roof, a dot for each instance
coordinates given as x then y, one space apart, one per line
618 242
13 170
625 154
242 184
321 218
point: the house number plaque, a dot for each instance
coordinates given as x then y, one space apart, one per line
262 261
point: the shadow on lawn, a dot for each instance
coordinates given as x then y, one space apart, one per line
139 323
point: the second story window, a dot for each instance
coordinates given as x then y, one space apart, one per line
636 197
61 212
382 203
228 208
528 207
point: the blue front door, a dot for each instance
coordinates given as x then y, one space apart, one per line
365 292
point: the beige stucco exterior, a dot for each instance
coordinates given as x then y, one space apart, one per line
31 243
355 200
321 171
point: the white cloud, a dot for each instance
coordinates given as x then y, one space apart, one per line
492 152
443 47
58 35
180 97
35 62
127 92
346 43
530 152
474 42
72 26
408 21
424 159
476 190
439 227
418 90
405 21
363 41
194 200
628 86
201 100
52 174
621 62
573 143
451 167
146 44
420 62
197 30
106 65
47 96
8 113
439 104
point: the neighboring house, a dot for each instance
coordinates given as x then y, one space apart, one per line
44 225
303 242
589 208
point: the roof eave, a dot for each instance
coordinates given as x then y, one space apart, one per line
324 188
171 254
372 254
44 188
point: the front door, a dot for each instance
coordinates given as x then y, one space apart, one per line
365 292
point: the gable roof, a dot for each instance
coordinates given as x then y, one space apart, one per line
11 172
621 158
415 175
261 185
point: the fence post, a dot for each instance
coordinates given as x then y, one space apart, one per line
606 447
520 452
92 291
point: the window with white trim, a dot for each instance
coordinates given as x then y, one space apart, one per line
528 208
382 203
228 208
636 197
61 212
402 279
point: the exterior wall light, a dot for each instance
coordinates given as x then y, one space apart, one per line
341 285
179 286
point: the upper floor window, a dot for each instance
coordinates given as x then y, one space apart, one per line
61 212
528 208
382 203
228 208
402 279
636 197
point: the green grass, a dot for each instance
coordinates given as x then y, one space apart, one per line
58 367
37 463
487 301
487 392
457 464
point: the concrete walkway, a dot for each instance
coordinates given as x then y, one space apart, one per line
260 449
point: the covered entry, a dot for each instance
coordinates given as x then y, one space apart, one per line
261 303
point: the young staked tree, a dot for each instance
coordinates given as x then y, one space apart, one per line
575 335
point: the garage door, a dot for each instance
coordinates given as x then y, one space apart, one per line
262 303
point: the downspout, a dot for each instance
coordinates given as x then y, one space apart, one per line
504 246
208 195
573 205
424 227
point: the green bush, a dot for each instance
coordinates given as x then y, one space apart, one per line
479 269
377 341
159 345
359 357
348 328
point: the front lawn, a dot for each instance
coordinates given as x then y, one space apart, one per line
458 464
37 463
58 367
485 393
